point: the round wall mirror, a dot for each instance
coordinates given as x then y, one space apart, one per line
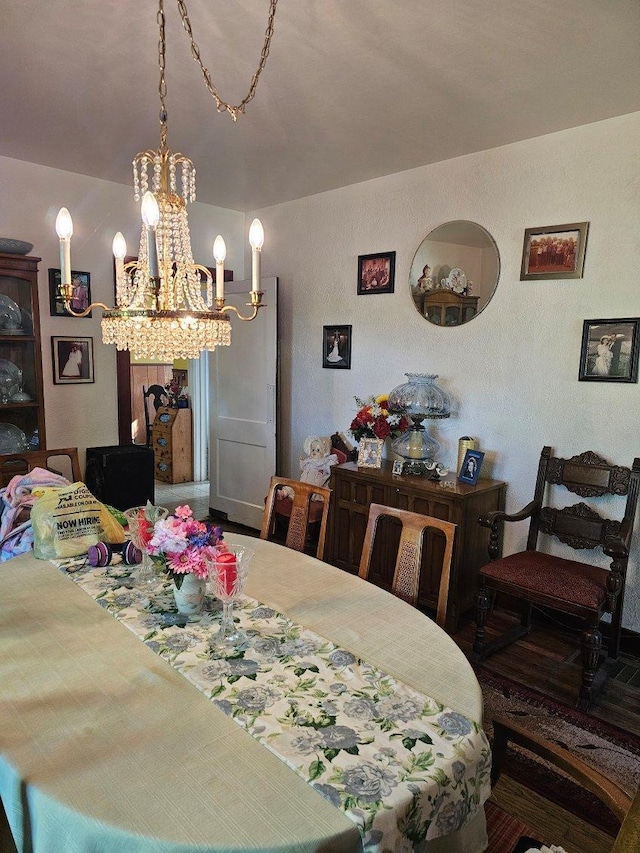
454 273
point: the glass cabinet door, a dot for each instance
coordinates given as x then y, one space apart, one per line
21 403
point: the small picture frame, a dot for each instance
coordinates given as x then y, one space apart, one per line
72 360
370 452
398 466
609 351
555 251
376 273
336 347
81 298
470 468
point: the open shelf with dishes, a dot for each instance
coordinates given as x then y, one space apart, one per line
21 396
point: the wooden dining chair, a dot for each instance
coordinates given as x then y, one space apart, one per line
406 575
304 514
624 807
63 461
536 577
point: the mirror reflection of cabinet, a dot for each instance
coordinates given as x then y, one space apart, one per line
446 308
454 273
21 395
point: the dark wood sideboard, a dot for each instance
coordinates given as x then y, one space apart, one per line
354 489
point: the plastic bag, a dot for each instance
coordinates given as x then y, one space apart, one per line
68 519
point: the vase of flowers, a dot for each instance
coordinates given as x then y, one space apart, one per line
374 419
183 547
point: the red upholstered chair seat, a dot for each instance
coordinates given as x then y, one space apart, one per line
567 580
284 506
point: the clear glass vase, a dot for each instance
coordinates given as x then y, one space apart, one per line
141 520
228 572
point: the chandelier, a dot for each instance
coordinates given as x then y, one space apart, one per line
165 303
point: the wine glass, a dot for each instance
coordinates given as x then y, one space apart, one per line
228 572
141 520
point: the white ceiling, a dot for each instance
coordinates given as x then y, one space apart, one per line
352 90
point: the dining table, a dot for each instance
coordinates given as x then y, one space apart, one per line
108 741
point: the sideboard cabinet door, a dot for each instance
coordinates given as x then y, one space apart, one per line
354 489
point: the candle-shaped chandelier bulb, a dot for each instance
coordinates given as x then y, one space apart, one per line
256 238
150 218
64 229
219 253
119 247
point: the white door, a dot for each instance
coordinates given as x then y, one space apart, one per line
243 411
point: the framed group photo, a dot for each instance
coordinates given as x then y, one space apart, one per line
72 360
370 452
609 351
470 468
555 251
336 347
80 298
376 273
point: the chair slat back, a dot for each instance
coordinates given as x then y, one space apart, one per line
299 519
590 476
406 575
63 461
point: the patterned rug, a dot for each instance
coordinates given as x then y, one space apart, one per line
612 751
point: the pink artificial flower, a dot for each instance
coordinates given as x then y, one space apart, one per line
183 512
188 561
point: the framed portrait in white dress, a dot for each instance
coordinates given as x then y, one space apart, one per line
336 347
72 360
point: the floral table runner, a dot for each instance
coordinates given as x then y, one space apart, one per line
402 766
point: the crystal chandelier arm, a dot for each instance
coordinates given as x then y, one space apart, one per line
221 105
256 302
66 292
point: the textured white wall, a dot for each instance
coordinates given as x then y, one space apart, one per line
86 415
513 369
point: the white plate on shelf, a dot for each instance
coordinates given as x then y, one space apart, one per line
10 380
12 439
457 280
10 317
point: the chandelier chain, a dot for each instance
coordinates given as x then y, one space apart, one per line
223 106
162 88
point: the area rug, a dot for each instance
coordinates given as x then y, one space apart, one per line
607 748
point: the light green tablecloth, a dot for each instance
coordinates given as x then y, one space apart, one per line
105 747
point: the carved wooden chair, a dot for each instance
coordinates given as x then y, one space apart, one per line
579 589
63 461
302 512
625 808
160 398
406 576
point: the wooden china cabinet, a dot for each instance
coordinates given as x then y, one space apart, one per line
446 308
354 489
20 354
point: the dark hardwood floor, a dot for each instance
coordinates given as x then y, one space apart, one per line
548 660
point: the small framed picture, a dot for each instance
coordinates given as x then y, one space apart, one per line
80 299
376 273
370 452
72 360
609 351
556 251
398 466
470 468
336 346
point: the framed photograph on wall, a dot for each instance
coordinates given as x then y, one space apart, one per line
609 351
336 346
72 360
376 273
556 251
370 452
81 298
470 468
